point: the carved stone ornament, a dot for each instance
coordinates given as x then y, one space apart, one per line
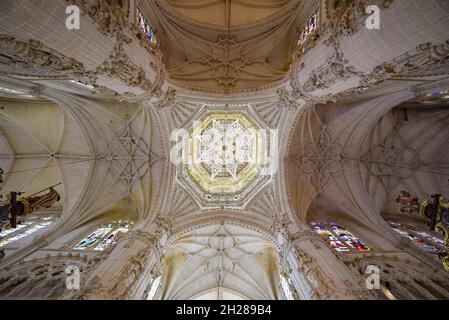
335 69
321 160
110 16
33 52
421 57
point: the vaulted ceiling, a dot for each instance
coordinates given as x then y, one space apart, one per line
224 13
107 157
108 142
226 256
225 46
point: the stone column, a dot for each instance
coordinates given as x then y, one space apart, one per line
321 275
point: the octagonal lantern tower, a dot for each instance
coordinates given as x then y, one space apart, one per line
228 154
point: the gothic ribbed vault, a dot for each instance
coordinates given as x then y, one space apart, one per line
350 124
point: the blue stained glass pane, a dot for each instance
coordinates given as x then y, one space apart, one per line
309 28
146 28
336 227
359 245
92 238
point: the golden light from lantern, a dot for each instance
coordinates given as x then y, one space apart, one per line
209 163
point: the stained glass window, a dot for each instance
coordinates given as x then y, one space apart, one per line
88 86
111 238
14 92
154 287
146 28
24 229
339 238
444 94
102 237
310 28
423 239
285 284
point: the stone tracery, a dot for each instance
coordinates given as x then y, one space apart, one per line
355 119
